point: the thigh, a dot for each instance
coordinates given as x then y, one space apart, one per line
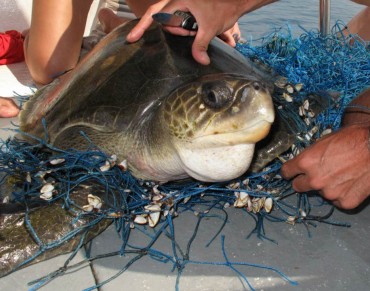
54 40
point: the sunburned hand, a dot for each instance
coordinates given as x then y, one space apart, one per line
214 17
338 166
8 108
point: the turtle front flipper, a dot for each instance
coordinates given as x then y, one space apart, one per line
276 143
85 137
45 232
284 132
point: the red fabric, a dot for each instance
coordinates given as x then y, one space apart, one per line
11 47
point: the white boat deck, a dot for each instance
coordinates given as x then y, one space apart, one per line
334 258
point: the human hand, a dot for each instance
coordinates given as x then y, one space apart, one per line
8 108
223 16
338 166
145 21
231 36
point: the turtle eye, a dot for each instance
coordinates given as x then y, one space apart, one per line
256 86
216 95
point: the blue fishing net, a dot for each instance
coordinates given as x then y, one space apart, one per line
336 67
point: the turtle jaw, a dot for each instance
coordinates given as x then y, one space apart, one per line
250 135
221 157
247 120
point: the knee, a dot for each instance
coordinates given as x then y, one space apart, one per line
43 71
45 66
40 75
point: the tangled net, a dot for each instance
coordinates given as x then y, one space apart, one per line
310 64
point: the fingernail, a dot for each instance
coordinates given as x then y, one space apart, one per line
236 37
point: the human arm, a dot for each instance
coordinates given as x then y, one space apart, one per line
53 43
359 24
362 2
213 17
338 165
231 36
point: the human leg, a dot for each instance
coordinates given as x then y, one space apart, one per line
123 11
109 20
53 43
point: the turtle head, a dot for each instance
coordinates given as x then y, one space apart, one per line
214 123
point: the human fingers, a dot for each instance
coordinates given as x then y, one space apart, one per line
200 46
291 168
146 20
179 31
202 37
137 32
231 36
305 171
228 38
302 183
8 108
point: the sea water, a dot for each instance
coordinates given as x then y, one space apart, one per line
304 13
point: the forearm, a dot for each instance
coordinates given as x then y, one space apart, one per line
359 24
358 111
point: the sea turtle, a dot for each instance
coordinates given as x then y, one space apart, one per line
149 103
152 104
